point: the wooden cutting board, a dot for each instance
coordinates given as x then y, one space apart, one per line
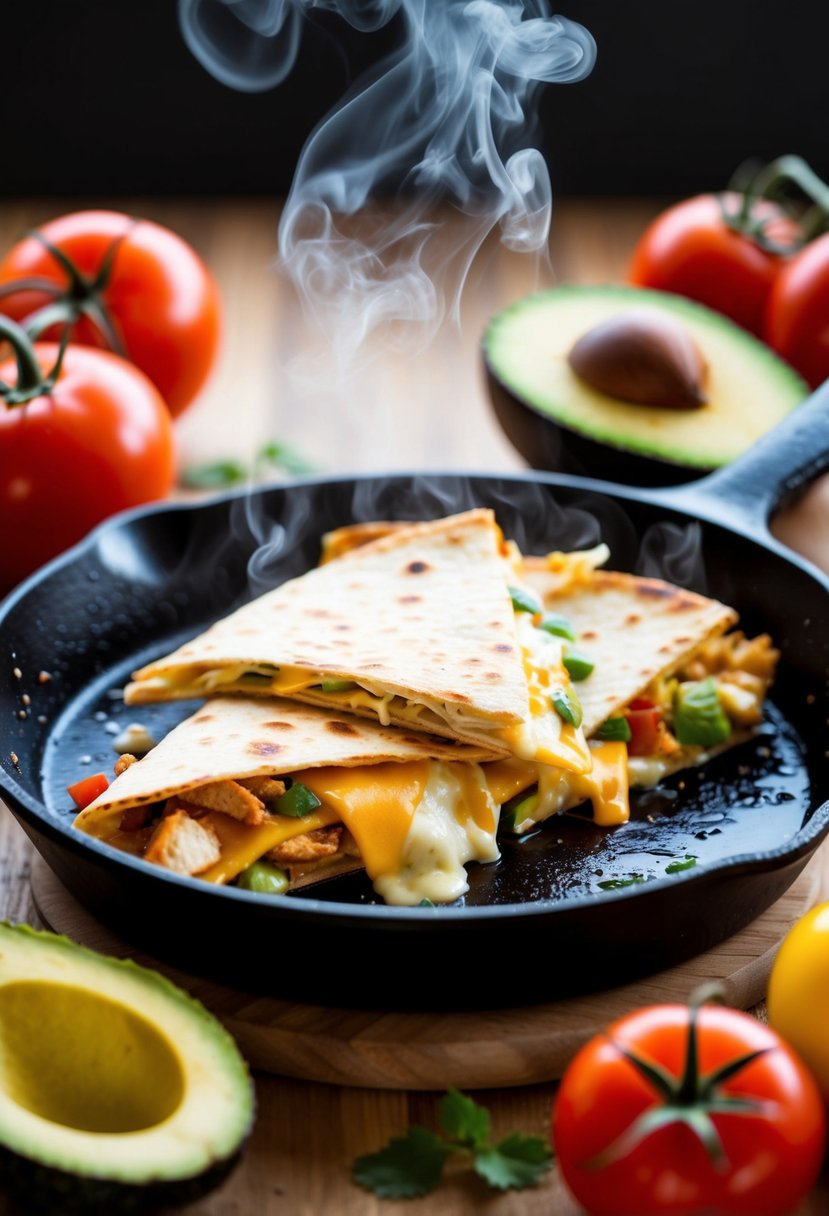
475 1050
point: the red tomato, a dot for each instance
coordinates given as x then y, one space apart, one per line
797 314
160 297
690 250
644 718
87 789
764 1152
100 440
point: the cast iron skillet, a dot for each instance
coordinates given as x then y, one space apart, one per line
549 918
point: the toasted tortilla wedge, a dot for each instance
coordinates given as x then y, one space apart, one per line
634 630
369 782
416 629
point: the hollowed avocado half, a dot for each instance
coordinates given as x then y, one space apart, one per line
117 1090
558 422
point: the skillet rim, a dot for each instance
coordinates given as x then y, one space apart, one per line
708 508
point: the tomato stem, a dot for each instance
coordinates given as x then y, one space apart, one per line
29 375
81 296
770 184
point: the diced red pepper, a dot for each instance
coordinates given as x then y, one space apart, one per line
644 719
87 789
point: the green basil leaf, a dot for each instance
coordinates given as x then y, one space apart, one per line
518 1161
463 1119
406 1167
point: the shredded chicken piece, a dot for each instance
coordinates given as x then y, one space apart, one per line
123 763
230 798
266 788
734 652
310 846
183 844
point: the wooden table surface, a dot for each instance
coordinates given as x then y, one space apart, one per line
427 411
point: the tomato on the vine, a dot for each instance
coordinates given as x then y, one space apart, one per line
692 250
796 322
78 442
123 283
687 1111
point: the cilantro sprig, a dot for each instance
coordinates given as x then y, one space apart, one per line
413 1164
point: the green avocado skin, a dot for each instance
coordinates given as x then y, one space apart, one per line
36 1188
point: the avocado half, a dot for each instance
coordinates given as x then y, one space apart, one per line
558 422
118 1091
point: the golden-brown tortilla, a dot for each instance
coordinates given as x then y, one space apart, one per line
423 613
238 737
633 629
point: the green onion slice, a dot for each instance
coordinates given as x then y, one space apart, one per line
524 601
297 801
614 730
558 625
568 707
699 719
578 665
677 866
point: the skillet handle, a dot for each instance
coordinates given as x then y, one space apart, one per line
746 492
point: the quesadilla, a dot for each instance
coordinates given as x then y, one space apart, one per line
247 781
427 627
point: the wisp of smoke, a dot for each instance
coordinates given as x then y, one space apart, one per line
447 117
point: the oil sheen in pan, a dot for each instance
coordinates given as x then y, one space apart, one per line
743 801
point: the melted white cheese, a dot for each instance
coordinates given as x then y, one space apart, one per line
439 843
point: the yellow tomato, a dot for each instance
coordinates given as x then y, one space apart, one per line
798 996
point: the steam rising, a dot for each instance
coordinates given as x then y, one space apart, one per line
447 117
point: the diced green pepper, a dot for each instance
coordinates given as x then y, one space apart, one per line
524 601
264 879
517 810
614 730
558 625
567 706
699 719
578 665
337 685
297 801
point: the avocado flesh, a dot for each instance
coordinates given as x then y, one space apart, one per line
749 389
113 1082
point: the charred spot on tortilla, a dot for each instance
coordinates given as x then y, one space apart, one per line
654 591
338 727
492 675
277 726
589 635
632 619
261 748
342 628
204 718
417 567
504 647
207 740
409 599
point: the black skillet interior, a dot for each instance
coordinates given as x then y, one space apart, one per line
571 909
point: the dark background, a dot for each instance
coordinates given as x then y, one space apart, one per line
103 97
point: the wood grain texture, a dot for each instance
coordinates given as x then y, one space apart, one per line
399 412
478 1050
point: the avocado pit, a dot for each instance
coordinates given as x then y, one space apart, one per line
644 356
